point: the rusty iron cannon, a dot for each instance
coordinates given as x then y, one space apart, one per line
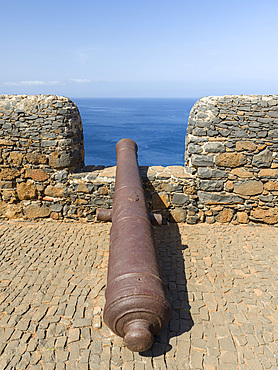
136 307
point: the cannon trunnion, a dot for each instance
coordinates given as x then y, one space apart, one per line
136 307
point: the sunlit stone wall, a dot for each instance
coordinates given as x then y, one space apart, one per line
231 151
230 173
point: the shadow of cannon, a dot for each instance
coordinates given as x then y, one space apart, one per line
171 260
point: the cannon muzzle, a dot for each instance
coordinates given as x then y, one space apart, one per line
136 307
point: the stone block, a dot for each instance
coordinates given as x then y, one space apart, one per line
36 175
194 148
56 191
230 160
229 186
263 159
211 185
57 207
48 143
242 217
179 198
271 186
16 158
245 145
83 188
36 211
269 216
36 158
216 198
178 215
9 173
215 147
241 172
210 173
202 160
14 211
26 190
225 216
8 195
198 131
269 172
249 188
60 160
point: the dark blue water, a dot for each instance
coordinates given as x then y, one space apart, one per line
158 126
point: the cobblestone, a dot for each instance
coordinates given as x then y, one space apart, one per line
222 286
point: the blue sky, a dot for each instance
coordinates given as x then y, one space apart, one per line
146 48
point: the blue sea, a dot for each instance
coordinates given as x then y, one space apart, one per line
158 126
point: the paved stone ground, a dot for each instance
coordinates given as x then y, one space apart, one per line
222 283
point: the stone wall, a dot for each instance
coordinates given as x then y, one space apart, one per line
39 136
232 153
230 173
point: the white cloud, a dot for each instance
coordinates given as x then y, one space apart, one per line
80 80
31 83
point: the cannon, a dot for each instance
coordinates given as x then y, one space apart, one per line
136 307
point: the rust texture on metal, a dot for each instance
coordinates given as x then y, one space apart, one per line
136 307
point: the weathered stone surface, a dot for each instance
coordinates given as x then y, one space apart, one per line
179 198
163 175
230 160
249 188
189 189
225 216
16 158
241 172
109 172
201 160
14 211
54 216
36 211
211 185
229 186
269 172
178 215
194 148
83 188
55 191
216 198
36 158
271 185
269 216
36 175
26 190
263 159
9 173
9 195
60 160
242 217
245 145
215 147
210 173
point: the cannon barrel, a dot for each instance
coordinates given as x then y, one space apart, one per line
136 307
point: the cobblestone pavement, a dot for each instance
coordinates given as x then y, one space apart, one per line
222 283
